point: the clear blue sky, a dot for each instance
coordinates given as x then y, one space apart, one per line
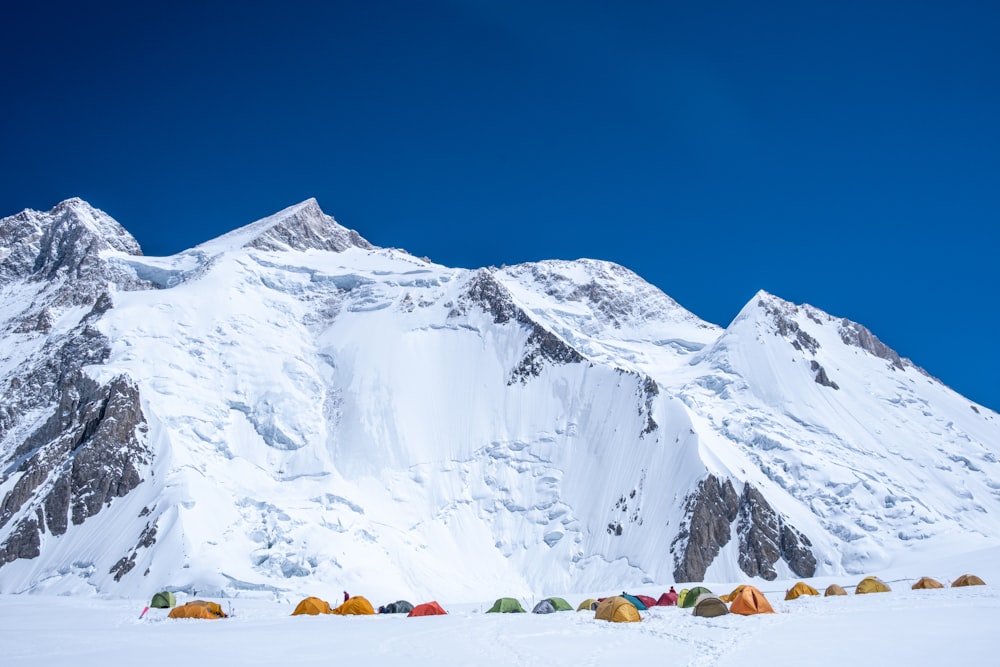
843 154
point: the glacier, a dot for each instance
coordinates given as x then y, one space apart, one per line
288 408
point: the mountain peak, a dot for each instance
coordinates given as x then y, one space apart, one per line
302 226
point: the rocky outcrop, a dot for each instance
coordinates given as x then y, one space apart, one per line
542 346
709 510
821 376
305 227
91 450
786 326
765 537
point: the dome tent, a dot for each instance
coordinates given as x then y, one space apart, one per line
163 600
750 601
968 580
871 585
688 599
617 610
834 589
709 606
427 609
198 609
355 606
506 606
312 606
800 589
926 582
397 607
549 605
590 604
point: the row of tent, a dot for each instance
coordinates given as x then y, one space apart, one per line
744 599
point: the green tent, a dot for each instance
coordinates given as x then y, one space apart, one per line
559 604
692 596
506 606
163 600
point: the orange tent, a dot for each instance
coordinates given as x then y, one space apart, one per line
800 589
356 606
927 582
968 580
312 606
198 609
427 609
617 610
750 601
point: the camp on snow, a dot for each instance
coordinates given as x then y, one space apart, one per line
926 582
312 606
397 607
617 610
709 606
750 601
800 589
872 585
163 600
356 606
689 597
506 606
968 580
198 609
427 609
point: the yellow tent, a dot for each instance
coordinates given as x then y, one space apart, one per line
312 606
587 605
617 610
799 589
834 589
927 582
356 606
732 596
872 585
968 580
198 609
750 601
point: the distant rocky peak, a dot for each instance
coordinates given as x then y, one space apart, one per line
303 226
67 240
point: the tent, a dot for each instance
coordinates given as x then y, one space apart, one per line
356 606
647 600
427 609
709 606
800 589
549 605
617 610
750 601
872 585
681 596
397 607
198 609
506 606
668 599
590 604
312 606
163 600
927 582
732 596
688 598
635 601
968 580
834 589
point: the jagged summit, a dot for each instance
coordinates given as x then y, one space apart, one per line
303 226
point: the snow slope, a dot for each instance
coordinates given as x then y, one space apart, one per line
323 414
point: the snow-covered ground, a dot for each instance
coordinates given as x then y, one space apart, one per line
923 627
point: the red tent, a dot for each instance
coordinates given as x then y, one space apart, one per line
427 609
668 599
646 600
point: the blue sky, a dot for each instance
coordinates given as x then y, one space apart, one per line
843 154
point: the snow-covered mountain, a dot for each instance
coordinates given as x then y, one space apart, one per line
289 408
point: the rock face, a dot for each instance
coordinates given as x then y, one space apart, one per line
91 450
765 537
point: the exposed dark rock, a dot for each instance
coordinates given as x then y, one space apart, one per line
821 376
857 335
765 537
24 542
787 327
710 510
306 227
651 390
87 453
